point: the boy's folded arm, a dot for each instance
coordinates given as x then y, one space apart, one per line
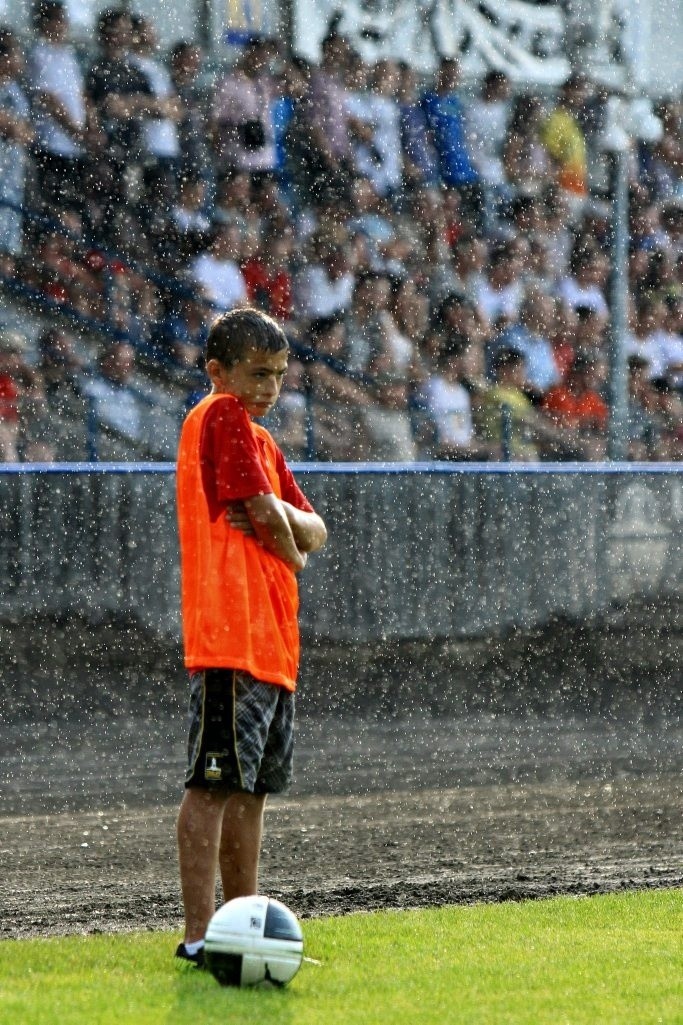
271 526
309 530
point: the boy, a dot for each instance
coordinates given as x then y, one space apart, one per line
245 532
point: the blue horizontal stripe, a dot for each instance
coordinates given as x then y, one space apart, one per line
365 469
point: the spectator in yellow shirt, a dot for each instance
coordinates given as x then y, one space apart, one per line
564 138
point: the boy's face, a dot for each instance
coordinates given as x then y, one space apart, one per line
256 379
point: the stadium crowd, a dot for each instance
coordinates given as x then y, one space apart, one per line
438 250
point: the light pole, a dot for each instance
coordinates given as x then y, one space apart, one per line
626 123
618 378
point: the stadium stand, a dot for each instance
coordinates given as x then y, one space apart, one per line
437 250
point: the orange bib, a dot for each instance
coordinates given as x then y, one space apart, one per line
239 602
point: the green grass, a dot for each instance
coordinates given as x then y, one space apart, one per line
586 961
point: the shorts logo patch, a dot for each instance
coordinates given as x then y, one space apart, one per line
212 768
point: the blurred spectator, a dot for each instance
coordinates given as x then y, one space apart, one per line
646 229
642 433
500 292
300 164
60 112
672 342
562 335
24 417
365 331
60 367
525 159
242 127
672 224
662 349
579 411
385 169
446 120
509 422
121 96
325 286
555 232
667 409
289 421
371 218
16 134
217 269
583 286
449 405
564 137
12 346
410 310
463 273
180 333
664 170
233 201
195 151
589 329
268 278
116 403
387 420
420 163
160 138
337 400
189 224
458 316
329 160
529 335
487 118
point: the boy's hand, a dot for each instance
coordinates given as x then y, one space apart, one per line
237 516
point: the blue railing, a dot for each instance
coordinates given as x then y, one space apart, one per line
372 469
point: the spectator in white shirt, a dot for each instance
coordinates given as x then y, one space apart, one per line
57 89
487 119
584 284
499 295
217 270
160 139
652 339
386 118
325 287
112 392
449 403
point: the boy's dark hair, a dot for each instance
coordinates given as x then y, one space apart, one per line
233 333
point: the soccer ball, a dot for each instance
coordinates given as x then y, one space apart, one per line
251 940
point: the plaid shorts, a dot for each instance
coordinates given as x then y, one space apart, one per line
241 733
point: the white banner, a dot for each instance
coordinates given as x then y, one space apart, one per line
522 39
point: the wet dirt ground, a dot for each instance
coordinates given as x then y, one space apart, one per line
385 812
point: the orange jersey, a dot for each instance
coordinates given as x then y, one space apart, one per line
239 601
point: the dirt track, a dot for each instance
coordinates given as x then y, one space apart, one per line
384 813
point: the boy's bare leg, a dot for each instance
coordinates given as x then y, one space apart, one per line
240 845
199 840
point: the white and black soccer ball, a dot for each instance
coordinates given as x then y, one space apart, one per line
252 940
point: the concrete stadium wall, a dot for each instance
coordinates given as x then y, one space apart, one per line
445 553
439 591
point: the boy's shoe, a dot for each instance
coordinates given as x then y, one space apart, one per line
195 959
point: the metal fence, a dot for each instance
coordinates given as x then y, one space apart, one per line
433 551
